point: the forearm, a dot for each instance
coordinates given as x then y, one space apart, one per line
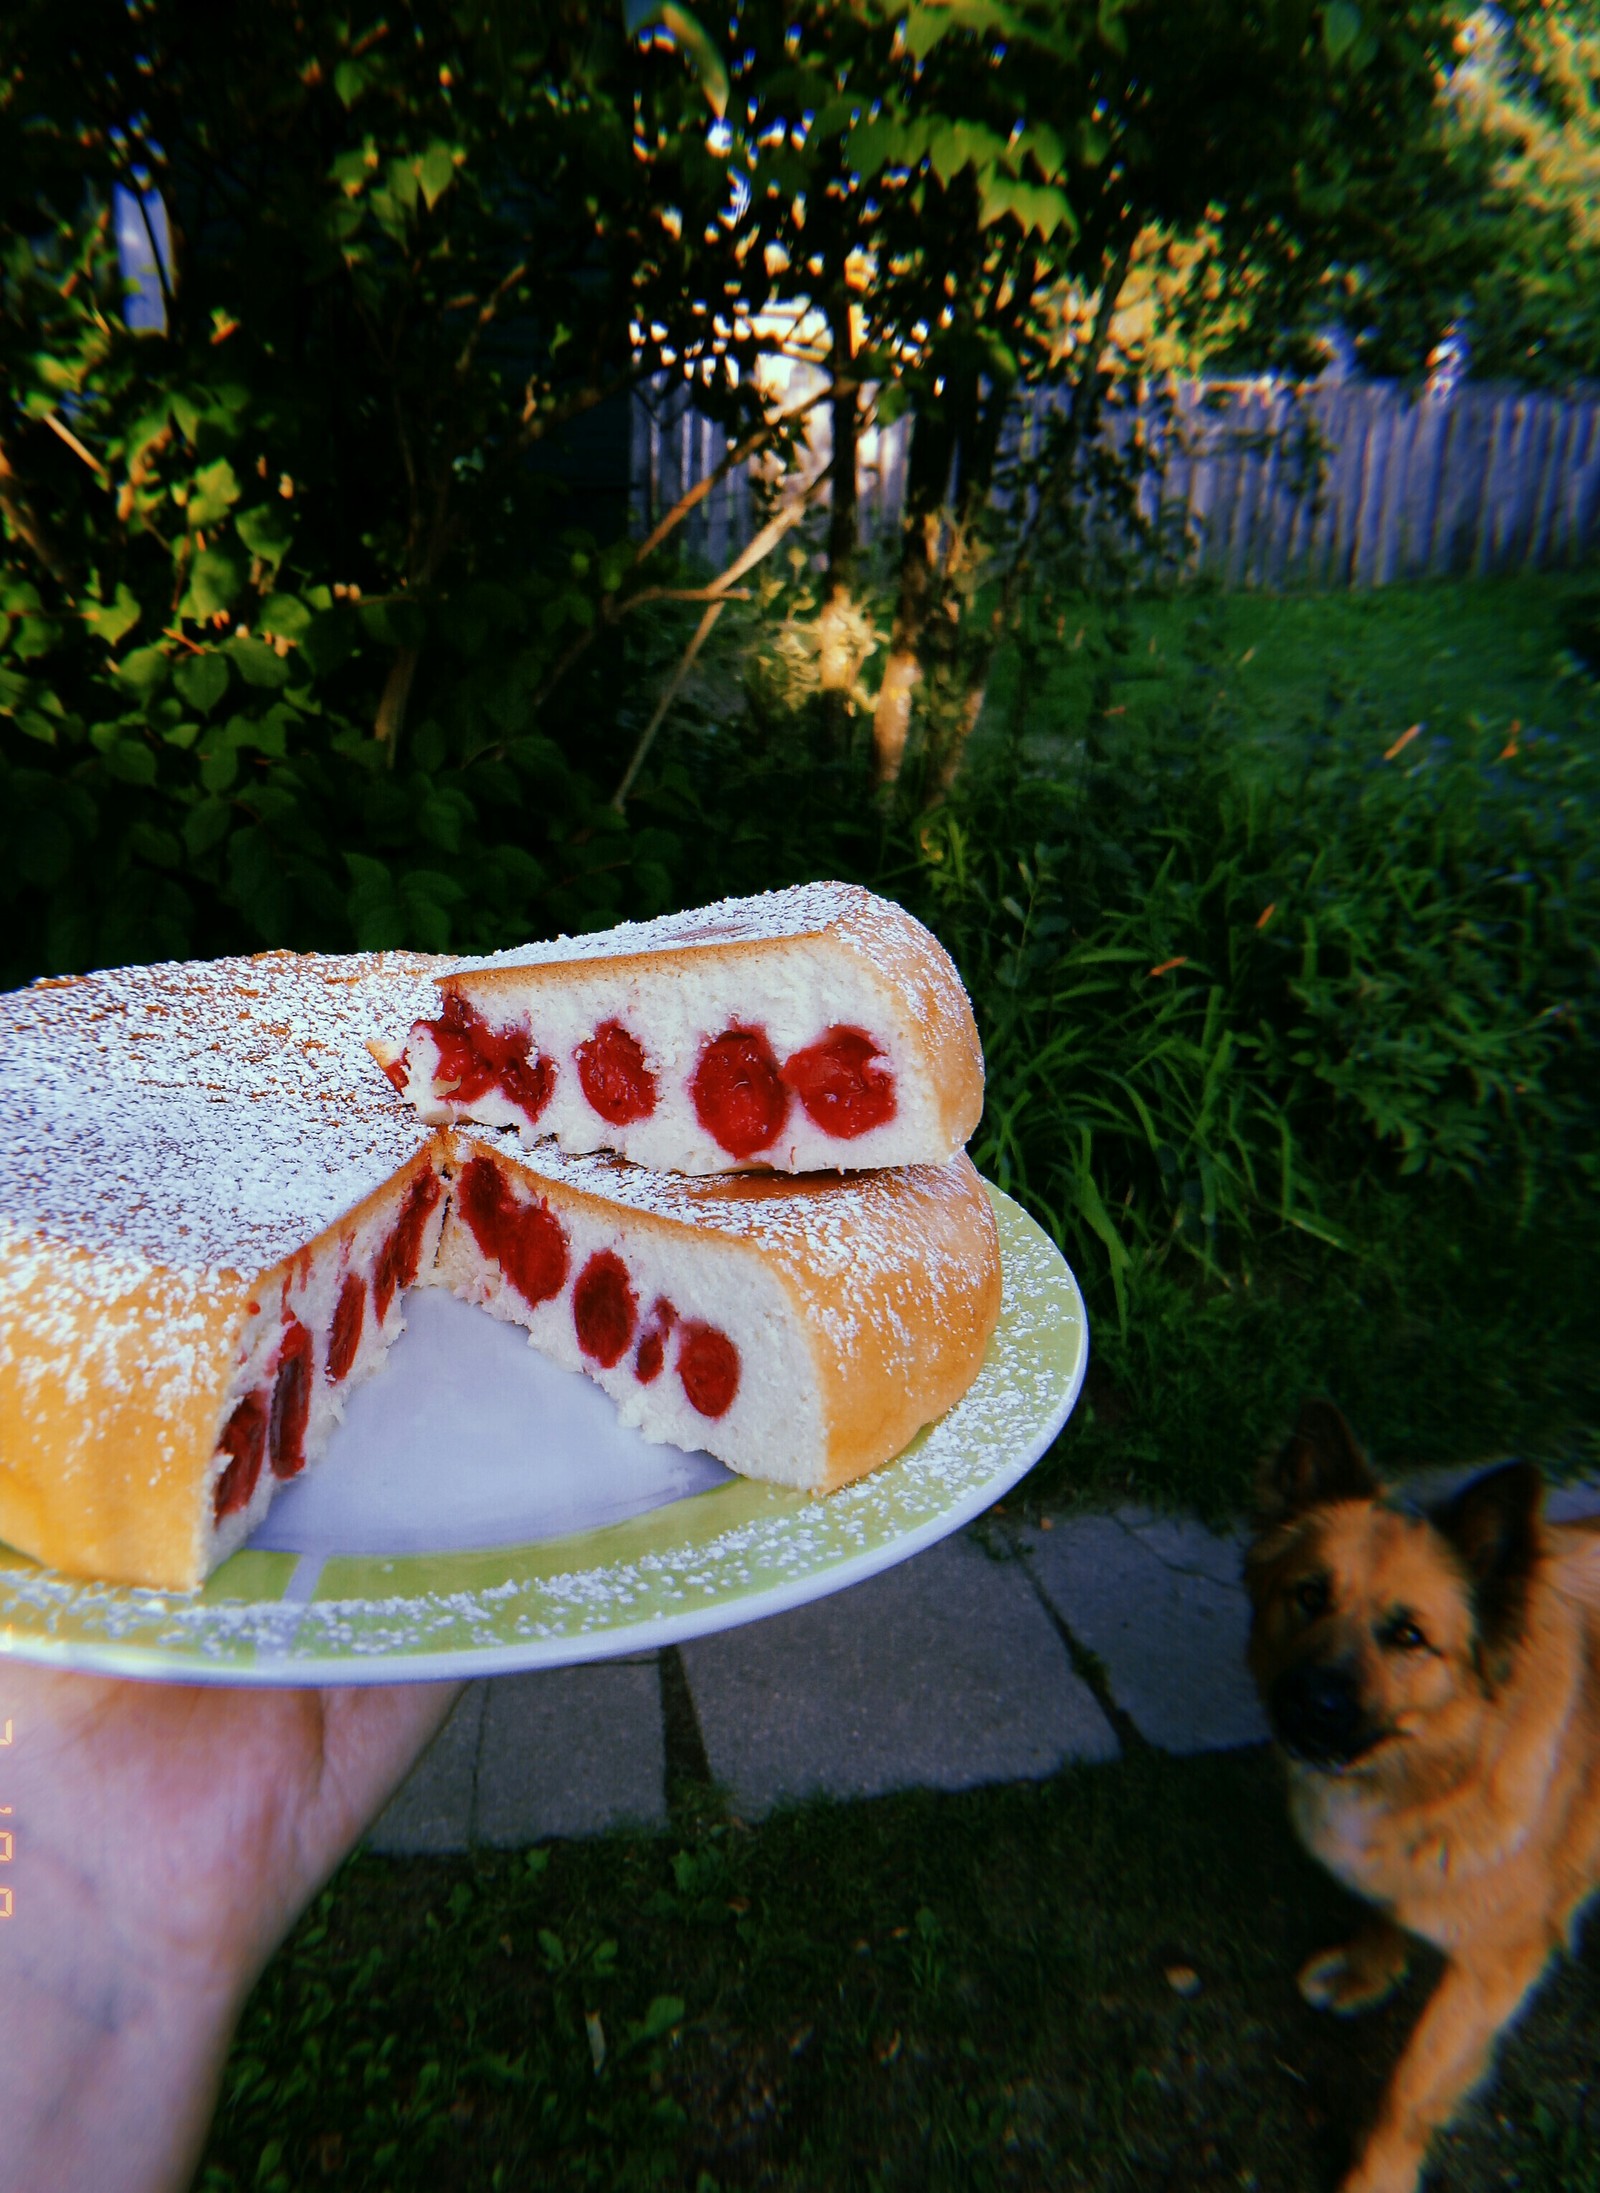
106 2082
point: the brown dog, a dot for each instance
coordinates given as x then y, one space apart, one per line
1435 1682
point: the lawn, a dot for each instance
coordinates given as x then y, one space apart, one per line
1084 1983
1445 653
1301 890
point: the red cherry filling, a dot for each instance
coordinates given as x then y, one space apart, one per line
739 1096
291 1403
475 1058
526 1240
843 1091
614 1077
708 1365
402 1252
604 1308
244 1442
350 1314
653 1347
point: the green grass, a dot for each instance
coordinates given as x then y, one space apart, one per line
984 1990
1443 653
1449 1335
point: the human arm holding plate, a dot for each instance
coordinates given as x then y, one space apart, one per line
164 1840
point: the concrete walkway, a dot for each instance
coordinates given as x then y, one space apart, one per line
997 1656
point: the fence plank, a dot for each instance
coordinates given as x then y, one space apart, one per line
1547 498
1481 479
1572 537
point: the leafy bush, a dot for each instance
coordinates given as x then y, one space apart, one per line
288 578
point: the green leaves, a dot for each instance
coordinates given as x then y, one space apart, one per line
256 662
698 47
202 680
113 620
1341 27
436 171
216 580
143 670
214 492
411 907
284 616
266 531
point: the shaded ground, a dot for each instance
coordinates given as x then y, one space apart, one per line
1083 1983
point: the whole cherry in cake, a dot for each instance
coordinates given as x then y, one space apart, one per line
819 1028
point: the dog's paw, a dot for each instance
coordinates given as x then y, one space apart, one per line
1354 1977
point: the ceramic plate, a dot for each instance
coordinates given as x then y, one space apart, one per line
480 1511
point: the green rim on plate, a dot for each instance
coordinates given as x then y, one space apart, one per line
732 1554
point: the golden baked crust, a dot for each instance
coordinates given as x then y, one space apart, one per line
174 1141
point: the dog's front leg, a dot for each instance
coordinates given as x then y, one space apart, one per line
1444 2060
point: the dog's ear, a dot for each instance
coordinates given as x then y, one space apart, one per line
1320 1461
1493 1524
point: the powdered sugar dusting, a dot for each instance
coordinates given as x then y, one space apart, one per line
280 1026
805 909
189 1180
199 1116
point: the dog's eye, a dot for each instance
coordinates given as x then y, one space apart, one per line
1404 1635
1311 1595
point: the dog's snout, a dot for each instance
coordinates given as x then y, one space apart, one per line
1319 1715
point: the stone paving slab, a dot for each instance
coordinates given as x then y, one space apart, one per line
571 1752
942 1673
431 1812
565 1751
1158 1601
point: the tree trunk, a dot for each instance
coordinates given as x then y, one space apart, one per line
927 474
838 657
978 448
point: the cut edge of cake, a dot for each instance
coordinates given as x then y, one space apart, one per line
817 1028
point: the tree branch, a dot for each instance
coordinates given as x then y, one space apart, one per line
737 454
23 521
670 692
66 435
486 312
721 589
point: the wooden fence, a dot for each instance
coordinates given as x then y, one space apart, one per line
1252 483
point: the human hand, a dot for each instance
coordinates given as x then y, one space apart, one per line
165 1839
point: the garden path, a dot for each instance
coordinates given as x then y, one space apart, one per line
1000 1655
